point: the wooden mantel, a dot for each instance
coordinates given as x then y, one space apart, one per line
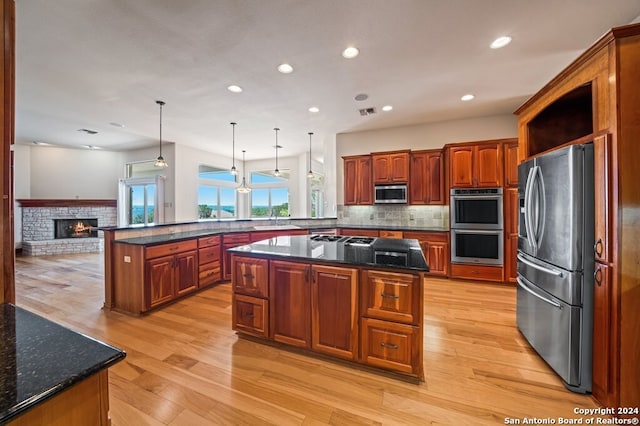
67 203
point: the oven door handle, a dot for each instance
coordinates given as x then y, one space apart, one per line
522 259
544 299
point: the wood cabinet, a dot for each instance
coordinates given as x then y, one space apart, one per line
511 215
390 234
290 303
426 185
358 180
477 272
359 232
391 346
511 164
250 304
170 271
250 276
334 311
595 98
476 165
230 241
436 249
250 315
390 167
209 263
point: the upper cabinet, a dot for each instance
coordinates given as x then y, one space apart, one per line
390 167
358 182
426 185
476 165
511 164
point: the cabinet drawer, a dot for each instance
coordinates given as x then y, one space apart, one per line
391 346
171 248
232 240
359 232
250 315
209 241
391 296
208 254
209 274
477 272
250 276
391 234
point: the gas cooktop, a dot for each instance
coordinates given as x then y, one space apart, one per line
330 238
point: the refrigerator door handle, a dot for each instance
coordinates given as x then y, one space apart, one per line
527 207
544 299
539 267
538 228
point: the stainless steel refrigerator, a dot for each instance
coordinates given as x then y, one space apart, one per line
555 260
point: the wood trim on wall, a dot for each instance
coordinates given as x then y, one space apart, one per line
67 203
7 105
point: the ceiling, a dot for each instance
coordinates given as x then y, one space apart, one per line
88 63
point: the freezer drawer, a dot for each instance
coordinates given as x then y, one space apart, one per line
565 285
554 329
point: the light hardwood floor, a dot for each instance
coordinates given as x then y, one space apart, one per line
185 366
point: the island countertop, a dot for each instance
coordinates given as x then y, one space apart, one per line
39 359
386 253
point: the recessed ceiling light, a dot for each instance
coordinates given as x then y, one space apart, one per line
361 97
500 42
114 124
314 109
91 147
467 97
350 52
387 108
235 89
285 68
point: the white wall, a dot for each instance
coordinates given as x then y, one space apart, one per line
21 186
421 136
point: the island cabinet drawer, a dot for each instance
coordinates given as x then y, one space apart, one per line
392 346
250 315
250 276
209 241
209 274
170 248
391 296
208 254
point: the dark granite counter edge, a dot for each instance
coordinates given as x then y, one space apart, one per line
182 236
29 403
167 224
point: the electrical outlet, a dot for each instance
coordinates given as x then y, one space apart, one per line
127 259
411 216
371 216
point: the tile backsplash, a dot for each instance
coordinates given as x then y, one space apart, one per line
397 215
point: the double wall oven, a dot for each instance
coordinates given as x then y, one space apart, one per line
477 226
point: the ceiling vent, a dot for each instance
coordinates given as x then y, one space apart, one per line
367 111
87 131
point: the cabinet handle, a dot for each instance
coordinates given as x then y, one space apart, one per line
598 247
251 276
388 345
248 315
174 248
597 276
390 296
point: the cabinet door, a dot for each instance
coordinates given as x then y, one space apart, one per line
393 346
511 164
602 190
461 165
435 179
186 272
437 255
334 318
350 182
250 315
365 181
510 234
381 168
391 296
230 241
159 281
604 336
419 185
290 303
250 276
399 167
488 165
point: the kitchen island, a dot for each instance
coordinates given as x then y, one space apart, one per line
50 374
353 298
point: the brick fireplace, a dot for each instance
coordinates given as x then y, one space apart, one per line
65 226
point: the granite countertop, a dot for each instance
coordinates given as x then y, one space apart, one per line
39 359
181 236
386 253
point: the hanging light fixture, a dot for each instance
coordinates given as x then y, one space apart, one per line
233 170
243 188
160 160
310 172
276 172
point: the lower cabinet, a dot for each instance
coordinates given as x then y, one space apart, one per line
435 247
367 316
170 276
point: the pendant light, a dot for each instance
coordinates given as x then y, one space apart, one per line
243 188
160 160
310 172
233 170
276 172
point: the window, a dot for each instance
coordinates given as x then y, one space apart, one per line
216 193
137 201
270 194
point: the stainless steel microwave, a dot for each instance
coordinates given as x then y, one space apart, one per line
390 194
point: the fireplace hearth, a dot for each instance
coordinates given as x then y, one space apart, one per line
75 228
